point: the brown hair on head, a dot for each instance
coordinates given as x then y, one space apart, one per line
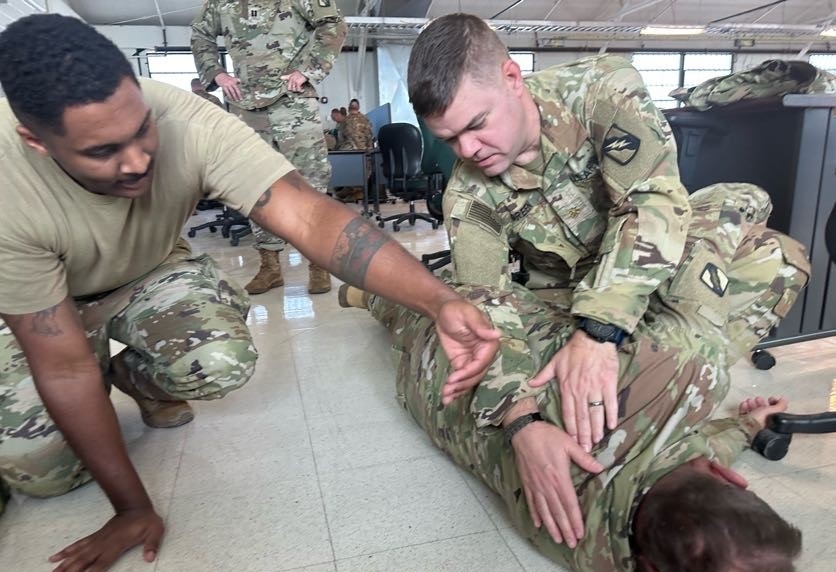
701 523
449 48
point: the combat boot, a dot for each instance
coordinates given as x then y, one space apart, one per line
319 280
158 413
351 297
269 273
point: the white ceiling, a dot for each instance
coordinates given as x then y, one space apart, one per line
181 12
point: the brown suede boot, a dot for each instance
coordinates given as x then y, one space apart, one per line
319 280
162 414
269 273
351 297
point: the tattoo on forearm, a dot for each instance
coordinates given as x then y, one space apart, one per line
45 324
358 243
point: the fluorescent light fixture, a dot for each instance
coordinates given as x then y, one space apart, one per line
829 32
672 30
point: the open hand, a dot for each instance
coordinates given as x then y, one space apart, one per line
544 455
102 549
587 373
231 86
470 343
759 408
295 81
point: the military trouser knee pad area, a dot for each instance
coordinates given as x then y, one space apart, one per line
737 278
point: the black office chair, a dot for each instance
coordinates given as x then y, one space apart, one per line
401 150
226 220
773 442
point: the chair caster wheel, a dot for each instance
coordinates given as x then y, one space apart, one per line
233 241
435 225
772 445
396 227
191 233
381 224
763 360
213 229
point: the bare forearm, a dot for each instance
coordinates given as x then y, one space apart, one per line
520 408
355 251
82 410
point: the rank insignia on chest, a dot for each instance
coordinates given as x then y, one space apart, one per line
620 146
253 13
715 279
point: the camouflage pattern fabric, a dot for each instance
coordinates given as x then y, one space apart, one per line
293 127
355 132
602 212
771 78
267 39
673 371
184 325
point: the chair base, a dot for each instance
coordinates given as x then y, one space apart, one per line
435 260
410 217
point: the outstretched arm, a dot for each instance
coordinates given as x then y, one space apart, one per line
336 238
68 380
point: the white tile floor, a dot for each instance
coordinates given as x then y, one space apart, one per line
313 467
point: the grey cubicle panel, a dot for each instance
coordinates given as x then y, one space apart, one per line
788 147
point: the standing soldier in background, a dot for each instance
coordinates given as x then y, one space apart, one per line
280 50
354 132
355 129
200 91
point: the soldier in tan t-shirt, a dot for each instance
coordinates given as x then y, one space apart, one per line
100 172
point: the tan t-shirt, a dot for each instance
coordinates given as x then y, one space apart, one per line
56 238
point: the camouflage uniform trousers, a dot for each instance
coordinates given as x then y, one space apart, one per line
184 325
292 126
682 337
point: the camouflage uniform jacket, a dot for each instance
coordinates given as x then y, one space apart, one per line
355 132
772 78
266 40
602 211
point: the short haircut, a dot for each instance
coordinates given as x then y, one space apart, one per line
704 524
447 49
50 62
354 104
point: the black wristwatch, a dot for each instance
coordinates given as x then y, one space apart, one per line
601 332
520 422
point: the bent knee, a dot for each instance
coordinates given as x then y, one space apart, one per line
213 369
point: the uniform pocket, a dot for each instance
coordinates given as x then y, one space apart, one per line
700 284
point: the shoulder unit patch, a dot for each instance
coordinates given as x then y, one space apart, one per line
620 145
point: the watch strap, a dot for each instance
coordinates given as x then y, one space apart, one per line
517 424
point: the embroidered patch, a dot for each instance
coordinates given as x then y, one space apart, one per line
715 279
253 13
482 214
620 146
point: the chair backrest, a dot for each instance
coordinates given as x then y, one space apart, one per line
401 149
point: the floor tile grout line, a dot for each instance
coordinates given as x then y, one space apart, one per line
172 493
417 544
313 457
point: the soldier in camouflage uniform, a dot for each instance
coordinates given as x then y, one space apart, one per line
771 78
638 299
281 49
354 132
